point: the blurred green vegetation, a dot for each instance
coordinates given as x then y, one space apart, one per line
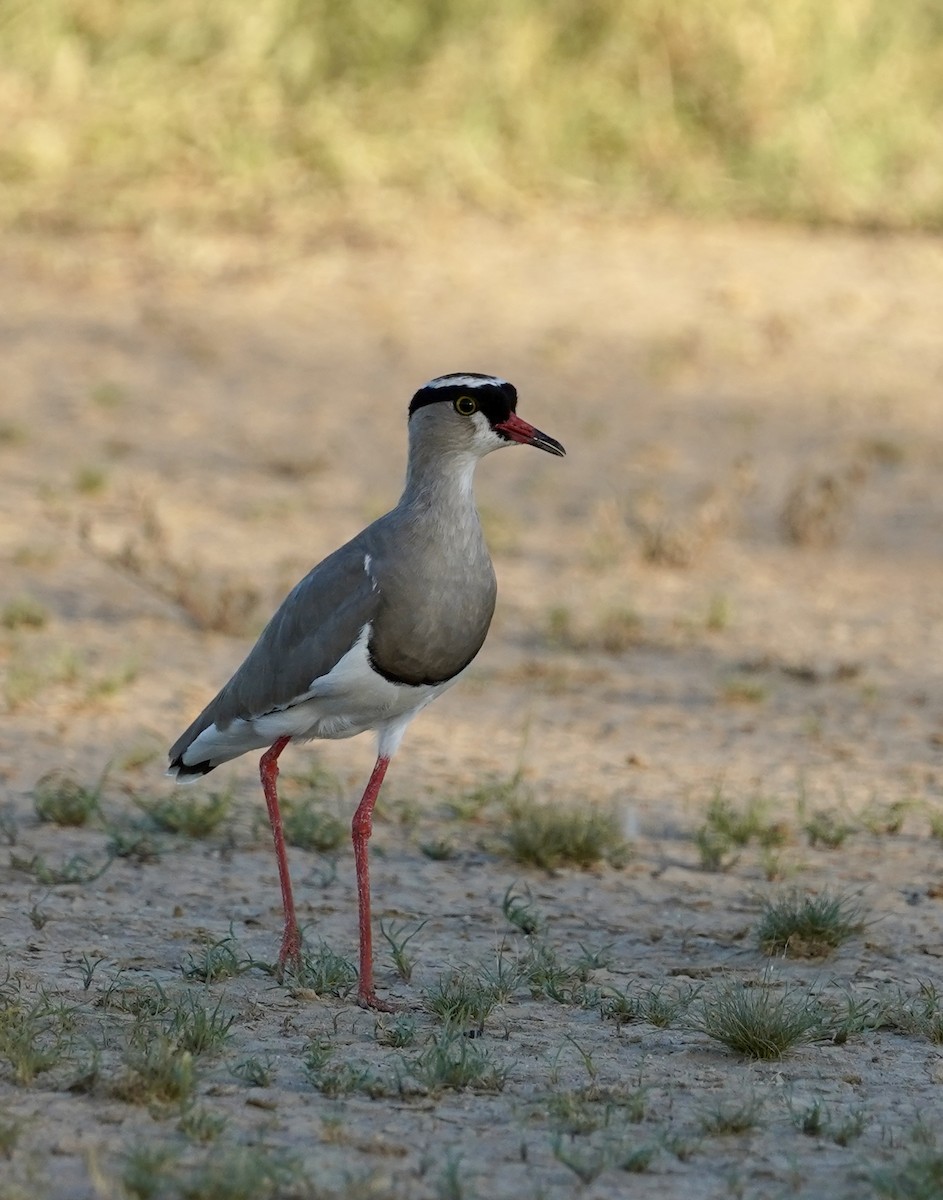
255 114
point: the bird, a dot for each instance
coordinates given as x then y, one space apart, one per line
376 631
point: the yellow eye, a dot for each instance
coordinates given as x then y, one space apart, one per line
465 405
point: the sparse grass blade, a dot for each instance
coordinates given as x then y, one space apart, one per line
504 976
257 1172
817 1120
586 1162
520 910
886 819
916 1176
727 828
715 850
136 842
920 1014
610 632
225 1172
9 828
493 793
636 1159
546 976
660 1006
147 1000
219 961
9 1136
147 1170
76 869
594 1107
398 1032
935 818
342 1078
398 939
731 1115
254 1072
28 674
575 1113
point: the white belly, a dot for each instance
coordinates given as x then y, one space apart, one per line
352 698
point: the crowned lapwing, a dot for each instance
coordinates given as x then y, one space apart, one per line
377 630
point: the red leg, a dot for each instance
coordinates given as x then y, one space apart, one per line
361 829
291 939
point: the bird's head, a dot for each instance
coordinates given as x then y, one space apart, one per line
476 413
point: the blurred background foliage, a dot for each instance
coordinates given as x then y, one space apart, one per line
264 114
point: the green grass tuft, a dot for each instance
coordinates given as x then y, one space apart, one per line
198 1029
918 1176
59 798
823 828
452 1062
218 961
254 1072
326 973
731 1115
816 1120
23 613
461 998
225 1172
808 926
33 1036
344 1078
398 1032
920 1014
159 1071
309 826
76 869
760 1021
556 835
194 815
659 1006
521 911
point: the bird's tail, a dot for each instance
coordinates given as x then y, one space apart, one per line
184 773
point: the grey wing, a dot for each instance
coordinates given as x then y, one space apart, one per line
315 626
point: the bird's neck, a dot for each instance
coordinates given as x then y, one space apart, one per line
441 485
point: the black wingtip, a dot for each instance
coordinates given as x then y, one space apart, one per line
186 772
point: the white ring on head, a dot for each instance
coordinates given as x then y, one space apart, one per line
469 381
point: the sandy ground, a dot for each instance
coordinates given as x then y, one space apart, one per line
182 434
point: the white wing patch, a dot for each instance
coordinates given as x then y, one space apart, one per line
350 699
367 564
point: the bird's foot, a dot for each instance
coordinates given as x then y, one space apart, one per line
290 954
367 998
